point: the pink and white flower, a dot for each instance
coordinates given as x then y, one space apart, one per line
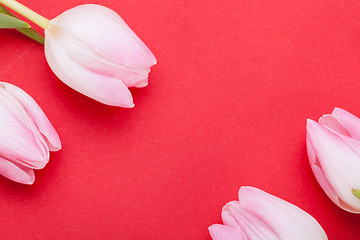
260 215
333 146
26 135
91 49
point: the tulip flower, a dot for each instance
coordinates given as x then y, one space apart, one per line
92 50
26 135
260 215
333 146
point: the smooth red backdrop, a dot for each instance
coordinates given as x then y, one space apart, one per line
226 106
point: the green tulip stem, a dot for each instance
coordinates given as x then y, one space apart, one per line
27 13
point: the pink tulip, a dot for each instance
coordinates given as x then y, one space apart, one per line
91 49
333 147
259 215
26 135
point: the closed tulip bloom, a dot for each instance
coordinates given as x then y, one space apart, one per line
91 49
26 135
260 215
333 146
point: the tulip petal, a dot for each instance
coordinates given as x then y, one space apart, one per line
221 232
284 219
349 121
113 39
339 163
319 174
333 124
330 122
102 88
16 173
94 62
36 113
253 226
19 143
16 110
226 217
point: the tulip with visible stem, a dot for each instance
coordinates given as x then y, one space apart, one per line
92 50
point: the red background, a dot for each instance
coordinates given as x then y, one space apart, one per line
226 106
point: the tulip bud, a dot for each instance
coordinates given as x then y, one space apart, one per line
260 215
333 146
26 135
92 50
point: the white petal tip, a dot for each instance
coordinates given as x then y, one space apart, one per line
310 123
26 180
337 109
30 182
142 84
126 106
55 148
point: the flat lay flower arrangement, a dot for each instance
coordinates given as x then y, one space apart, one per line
160 120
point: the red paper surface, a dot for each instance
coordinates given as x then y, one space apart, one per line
226 106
